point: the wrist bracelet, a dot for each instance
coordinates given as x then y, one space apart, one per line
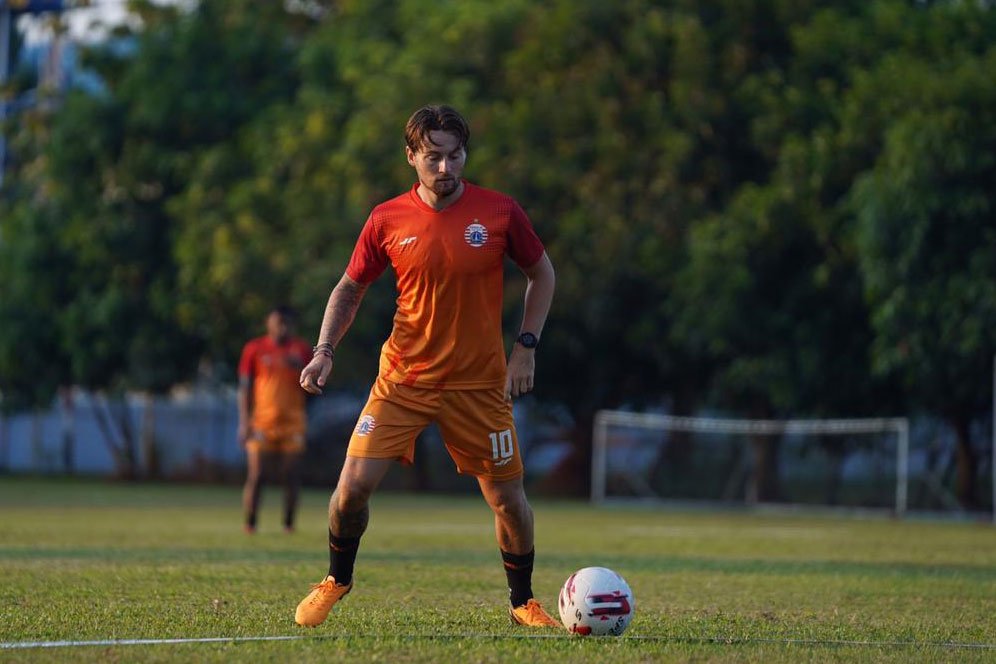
325 348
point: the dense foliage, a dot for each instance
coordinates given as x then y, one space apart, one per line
771 208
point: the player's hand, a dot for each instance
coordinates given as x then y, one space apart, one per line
314 375
521 370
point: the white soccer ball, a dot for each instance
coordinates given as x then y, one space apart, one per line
596 601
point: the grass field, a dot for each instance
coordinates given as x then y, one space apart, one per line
90 561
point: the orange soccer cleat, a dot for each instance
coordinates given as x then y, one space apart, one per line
314 609
531 614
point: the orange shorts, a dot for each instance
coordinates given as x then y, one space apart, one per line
476 425
280 441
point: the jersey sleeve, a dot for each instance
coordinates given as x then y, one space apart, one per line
524 246
247 364
369 258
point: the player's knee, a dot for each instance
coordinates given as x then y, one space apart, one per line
352 497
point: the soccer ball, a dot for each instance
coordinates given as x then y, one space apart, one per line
596 601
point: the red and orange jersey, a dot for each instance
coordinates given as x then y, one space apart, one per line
275 372
447 330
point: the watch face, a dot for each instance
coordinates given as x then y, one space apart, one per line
528 340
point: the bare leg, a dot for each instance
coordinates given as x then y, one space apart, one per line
348 517
349 512
513 515
251 489
514 530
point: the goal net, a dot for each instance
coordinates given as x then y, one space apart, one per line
857 463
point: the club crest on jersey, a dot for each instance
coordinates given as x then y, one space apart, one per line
476 234
365 425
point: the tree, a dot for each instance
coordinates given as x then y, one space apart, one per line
690 166
96 175
928 241
33 363
773 288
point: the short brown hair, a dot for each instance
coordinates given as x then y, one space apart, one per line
435 118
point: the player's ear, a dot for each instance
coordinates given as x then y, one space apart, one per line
410 155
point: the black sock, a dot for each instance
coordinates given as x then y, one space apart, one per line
290 504
252 502
292 484
519 571
342 555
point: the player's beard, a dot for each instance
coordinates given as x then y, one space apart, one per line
445 186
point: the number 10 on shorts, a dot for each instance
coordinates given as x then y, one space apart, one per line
501 444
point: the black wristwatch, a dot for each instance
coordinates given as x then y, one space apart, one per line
527 340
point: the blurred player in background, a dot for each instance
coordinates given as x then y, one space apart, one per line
272 419
444 361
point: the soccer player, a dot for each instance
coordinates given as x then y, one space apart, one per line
444 361
271 412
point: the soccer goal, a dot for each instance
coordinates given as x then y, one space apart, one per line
856 463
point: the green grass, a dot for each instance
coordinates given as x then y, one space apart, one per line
87 561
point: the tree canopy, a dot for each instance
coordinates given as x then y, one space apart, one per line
768 207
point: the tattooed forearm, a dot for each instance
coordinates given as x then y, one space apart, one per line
341 310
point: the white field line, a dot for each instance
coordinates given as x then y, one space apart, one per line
15 645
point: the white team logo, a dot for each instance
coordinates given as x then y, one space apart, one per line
407 241
476 234
365 425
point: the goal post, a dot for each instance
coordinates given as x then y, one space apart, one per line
605 420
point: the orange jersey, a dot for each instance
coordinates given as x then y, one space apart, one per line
275 372
449 268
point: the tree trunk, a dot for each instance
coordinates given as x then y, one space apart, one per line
680 445
966 460
4 443
150 453
834 448
124 455
573 476
763 485
583 444
38 456
68 424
